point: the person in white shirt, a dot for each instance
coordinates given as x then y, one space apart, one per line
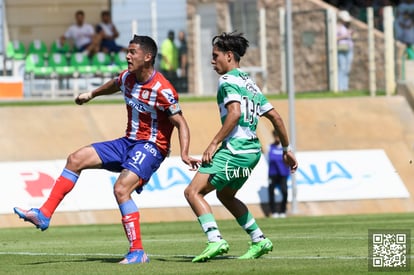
82 34
107 32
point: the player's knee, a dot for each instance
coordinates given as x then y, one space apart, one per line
187 192
190 192
120 192
74 162
224 198
221 197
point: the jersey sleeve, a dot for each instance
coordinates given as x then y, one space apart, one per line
265 106
228 92
168 101
121 79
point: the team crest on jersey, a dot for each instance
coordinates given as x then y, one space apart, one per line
251 88
145 94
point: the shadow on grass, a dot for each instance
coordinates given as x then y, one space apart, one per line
95 259
112 260
188 259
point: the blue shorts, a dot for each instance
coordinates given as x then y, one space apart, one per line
110 46
138 156
83 47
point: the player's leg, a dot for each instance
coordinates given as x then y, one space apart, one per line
240 211
239 167
83 158
260 244
142 160
126 183
194 193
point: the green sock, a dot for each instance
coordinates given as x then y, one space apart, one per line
210 228
248 223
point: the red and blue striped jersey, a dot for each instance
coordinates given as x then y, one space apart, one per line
148 106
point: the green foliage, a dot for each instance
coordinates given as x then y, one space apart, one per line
302 245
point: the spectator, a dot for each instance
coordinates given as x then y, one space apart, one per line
107 32
182 54
404 27
82 35
278 175
182 72
169 58
345 49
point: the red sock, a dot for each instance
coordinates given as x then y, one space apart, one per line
132 230
60 189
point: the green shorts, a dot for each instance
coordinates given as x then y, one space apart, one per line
228 169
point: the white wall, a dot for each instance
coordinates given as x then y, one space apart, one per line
168 17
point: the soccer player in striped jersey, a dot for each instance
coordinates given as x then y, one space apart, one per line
226 167
153 112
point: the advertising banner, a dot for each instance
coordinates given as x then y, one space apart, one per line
322 176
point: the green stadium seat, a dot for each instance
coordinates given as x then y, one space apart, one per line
104 63
57 47
36 66
59 63
82 64
120 60
38 47
16 50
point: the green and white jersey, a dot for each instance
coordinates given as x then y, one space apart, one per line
236 85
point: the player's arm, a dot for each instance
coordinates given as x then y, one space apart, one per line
180 123
280 128
232 118
108 88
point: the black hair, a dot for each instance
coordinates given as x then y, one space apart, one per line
106 12
80 12
171 33
234 42
147 44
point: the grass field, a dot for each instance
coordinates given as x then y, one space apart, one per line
303 245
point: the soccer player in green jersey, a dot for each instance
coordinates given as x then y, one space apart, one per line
226 168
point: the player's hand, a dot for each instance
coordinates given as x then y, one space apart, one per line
83 98
208 153
291 161
192 162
